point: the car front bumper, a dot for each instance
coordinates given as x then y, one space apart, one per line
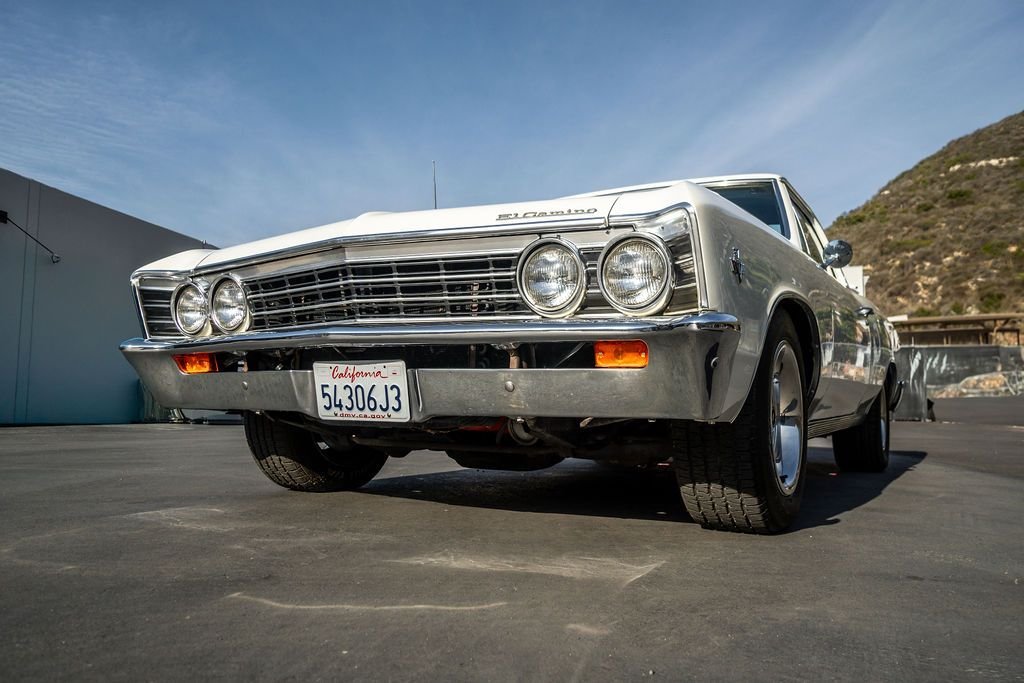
687 376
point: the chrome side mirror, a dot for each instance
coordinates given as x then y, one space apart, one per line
838 254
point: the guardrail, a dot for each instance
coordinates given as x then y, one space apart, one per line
946 330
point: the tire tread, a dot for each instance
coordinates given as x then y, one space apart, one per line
288 456
718 466
716 479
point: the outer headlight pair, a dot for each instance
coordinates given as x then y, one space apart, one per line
634 273
226 307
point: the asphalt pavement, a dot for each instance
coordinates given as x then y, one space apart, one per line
160 552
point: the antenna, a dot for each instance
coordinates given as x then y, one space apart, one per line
434 164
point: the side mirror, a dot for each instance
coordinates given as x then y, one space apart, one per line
838 254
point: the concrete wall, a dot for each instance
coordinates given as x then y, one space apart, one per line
910 367
956 372
948 365
62 323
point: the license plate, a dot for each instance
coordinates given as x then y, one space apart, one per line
371 392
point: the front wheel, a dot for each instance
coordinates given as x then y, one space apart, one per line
296 459
748 475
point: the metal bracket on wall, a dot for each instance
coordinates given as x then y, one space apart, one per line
5 218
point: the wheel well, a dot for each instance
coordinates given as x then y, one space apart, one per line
890 380
810 341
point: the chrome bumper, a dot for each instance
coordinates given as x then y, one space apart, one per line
687 377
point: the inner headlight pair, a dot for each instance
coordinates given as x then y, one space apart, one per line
634 273
226 307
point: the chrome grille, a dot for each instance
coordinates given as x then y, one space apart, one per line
416 288
156 310
594 301
686 296
447 287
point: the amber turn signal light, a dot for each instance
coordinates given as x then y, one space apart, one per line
196 363
620 354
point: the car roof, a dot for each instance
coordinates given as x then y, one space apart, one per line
709 180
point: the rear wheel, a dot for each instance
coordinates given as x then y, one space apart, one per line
296 459
865 448
748 475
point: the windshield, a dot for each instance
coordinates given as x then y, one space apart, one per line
758 199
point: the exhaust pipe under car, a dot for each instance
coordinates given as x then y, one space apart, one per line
520 432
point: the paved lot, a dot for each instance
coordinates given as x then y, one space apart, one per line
156 552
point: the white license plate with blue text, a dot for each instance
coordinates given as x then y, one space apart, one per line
373 392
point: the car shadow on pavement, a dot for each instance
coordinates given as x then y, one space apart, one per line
574 487
579 487
828 492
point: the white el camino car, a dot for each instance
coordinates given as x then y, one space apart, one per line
704 323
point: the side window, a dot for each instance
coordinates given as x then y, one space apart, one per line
812 244
838 273
808 238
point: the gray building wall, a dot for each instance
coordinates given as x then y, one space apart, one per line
60 324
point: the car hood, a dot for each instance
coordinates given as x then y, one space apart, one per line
580 211
408 225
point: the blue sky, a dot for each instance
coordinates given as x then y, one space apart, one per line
232 122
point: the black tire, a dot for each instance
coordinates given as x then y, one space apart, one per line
726 472
865 447
294 458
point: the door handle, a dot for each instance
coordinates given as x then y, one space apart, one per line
865 311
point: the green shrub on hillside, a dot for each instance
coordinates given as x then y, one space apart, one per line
992 301
909 244
959 196
994 248
851 218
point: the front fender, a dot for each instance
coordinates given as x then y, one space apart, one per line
774 275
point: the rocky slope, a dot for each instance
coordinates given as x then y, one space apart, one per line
947 236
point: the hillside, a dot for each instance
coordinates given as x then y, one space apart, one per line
947 236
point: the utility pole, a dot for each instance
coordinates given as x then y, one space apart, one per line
434 164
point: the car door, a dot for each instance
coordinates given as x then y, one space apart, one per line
850 356
881 346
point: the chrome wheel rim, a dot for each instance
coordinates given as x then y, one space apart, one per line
787 417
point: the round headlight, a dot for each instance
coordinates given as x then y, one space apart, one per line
552 278
228 305
190 309
636 275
